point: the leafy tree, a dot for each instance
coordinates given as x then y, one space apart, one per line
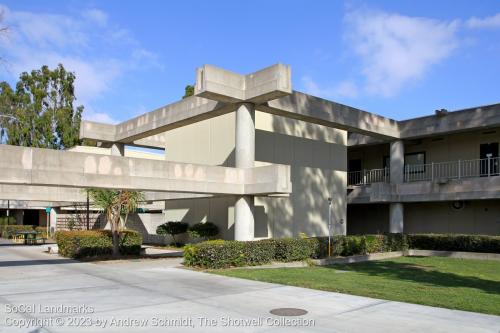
188 91
172 229
116 204
40 111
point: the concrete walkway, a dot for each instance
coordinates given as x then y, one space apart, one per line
39 289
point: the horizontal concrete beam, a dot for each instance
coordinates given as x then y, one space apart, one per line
45 167
323 112
59 196
451 122
222 85
480 188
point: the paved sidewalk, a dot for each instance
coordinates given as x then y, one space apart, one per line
136 295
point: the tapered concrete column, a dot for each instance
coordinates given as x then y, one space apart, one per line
396 221
245 158
396 209
118 149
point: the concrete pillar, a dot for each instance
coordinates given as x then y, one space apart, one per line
397 161
245 158
396 209
118 149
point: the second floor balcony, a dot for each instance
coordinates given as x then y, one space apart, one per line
436 172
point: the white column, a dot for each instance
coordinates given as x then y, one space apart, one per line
245 158
396 209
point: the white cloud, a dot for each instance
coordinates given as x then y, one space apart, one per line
97 16
100 117
487 22
396 50
37 39
346 89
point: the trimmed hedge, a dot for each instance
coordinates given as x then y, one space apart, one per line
223 254
353 245
465 243
9 230
5 220
93 243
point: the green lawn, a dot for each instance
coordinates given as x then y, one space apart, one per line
471 285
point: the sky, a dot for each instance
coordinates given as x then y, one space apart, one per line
400 59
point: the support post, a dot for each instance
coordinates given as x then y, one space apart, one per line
245 158
88 215
396 209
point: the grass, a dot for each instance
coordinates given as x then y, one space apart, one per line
470 285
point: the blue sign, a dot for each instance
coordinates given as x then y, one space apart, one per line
47 210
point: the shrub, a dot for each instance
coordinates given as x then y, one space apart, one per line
259 252
172 228
466 243
223 254
42 231
215 254
6 220
203 230
93 243
396 242
291 249
9 230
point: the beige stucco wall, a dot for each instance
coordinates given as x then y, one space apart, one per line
316 154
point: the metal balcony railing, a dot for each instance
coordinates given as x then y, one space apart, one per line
366 177
485 167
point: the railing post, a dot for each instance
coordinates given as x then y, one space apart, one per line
489 165
458 169
363 175
432 171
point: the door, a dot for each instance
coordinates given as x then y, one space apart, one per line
489 164
354 172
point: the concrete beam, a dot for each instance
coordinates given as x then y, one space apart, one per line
480 188
482 117
60 196
34 166
221 85
323 112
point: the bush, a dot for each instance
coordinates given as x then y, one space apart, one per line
94 243
9 230
203 230
356 245
292 249
215 254
223 254
42 231
5 220
172 228
465 243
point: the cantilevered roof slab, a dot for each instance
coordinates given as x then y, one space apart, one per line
45 167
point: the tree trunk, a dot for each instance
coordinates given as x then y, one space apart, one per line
116 237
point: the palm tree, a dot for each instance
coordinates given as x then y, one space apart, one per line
115 204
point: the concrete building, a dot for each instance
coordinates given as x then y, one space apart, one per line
261 160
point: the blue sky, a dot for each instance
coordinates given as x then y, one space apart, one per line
401 59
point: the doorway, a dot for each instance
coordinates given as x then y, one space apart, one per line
489 164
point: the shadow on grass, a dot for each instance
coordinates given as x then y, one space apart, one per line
421 273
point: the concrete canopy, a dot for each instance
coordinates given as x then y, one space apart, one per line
45 167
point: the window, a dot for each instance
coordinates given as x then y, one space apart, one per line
415 162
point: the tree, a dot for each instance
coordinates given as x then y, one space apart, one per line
204 230
188 91
172 228
40 111
116 204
